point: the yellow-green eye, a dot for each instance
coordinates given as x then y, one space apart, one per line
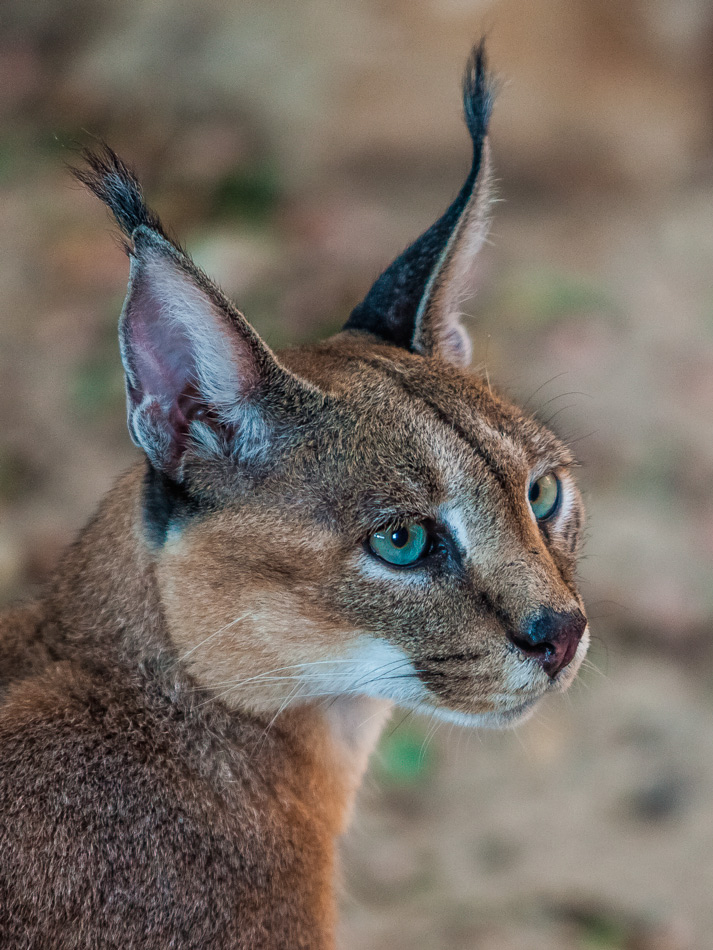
544 495
401 546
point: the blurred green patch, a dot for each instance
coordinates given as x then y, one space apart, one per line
405 756
546 296
97 384
10 159
16 475
249 195
598 928
604 933
98 387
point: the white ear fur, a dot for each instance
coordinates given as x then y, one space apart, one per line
189 369
438 326
188 310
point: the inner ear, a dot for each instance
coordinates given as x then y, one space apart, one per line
199 380
181 341
184 360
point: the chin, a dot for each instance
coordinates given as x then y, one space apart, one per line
505 718
510 709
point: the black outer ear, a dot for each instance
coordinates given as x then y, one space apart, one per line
413 304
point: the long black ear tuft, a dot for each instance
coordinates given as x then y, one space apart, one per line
114 183
477 102
400 307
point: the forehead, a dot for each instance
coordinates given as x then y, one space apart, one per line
399 419
398 390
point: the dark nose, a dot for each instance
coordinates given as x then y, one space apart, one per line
551 638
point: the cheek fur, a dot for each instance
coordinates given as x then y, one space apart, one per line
284 621
365 666
247 625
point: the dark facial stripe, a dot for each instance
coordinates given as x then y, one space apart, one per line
470 441
451 424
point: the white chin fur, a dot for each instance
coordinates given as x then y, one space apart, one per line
501 719
380 670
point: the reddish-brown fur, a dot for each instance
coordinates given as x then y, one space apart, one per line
133 812
185 716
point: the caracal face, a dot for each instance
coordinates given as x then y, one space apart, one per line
362 516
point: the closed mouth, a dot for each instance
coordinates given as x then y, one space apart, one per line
446 671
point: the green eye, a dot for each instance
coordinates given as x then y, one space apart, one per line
544 496
401 546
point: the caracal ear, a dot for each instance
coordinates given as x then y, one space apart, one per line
199 380
416 301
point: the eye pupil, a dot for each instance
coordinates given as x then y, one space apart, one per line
544 496
400 537
401 546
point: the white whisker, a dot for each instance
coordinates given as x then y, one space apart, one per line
210 637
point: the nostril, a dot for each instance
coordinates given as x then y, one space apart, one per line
551 637
526 646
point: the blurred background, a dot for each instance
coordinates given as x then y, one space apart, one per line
296 148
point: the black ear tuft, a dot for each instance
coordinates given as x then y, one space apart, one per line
113 182
477 101
395 305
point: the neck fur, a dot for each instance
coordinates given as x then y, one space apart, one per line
104 609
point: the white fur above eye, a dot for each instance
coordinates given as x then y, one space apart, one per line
453 517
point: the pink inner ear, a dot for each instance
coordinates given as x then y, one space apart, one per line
187 358
162 357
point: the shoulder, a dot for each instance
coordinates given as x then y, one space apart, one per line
103 833
109 833
72 755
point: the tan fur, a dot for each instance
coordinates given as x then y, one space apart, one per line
186 714
290 582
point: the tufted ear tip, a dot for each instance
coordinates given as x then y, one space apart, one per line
112 181
478 95
414 303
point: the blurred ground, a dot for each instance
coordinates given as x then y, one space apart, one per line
296 149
